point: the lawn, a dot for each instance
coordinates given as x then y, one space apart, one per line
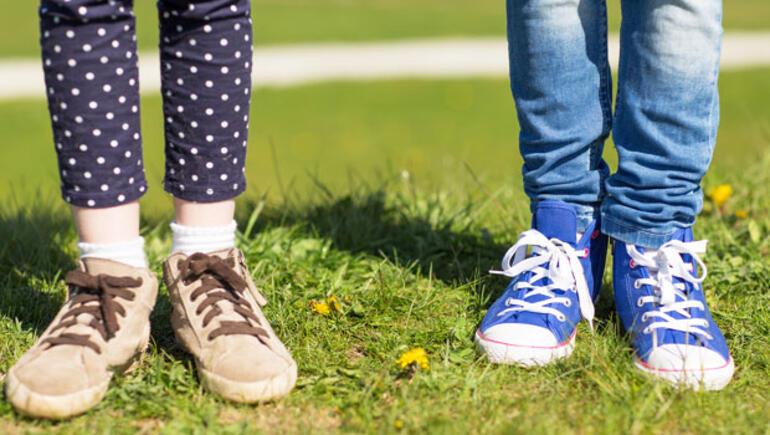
286 21
396 198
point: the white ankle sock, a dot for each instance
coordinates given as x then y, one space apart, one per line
130 252
190 240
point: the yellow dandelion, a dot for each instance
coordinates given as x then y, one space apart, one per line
346 298
320 308
332 301
416 356
398 423
720 194
741 214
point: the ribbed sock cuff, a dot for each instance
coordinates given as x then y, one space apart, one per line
130 252
190 240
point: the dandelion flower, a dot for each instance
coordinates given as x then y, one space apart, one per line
416 356
398 424
720 194
320 308
332 302
741 214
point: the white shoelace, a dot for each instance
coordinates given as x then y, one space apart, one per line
663 266
564 271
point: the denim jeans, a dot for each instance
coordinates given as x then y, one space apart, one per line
666 110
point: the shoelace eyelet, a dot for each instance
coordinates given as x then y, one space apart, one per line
646 330
637 285
639 302
644 317
631 264
585 253
561 317
568 303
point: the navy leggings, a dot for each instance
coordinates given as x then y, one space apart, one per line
91 74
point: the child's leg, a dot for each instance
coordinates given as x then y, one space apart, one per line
562 86
89 58
206 62
667 113
666 116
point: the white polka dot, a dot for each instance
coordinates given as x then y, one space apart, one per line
83 147
100 160
103 59
193 69
238 81
122 99
134 108
224 70
209 111
93 105
235 161
70 34
127 154
194 177
209 84
97 132
91 202
223 177
75 91
104 187
235 186
194 97
67 133
223 42
181 187
208 57
237 54
224 124
207 28
181 135
178 54
131 82
142 189
193 150
82 10
223 150
101 31
57 48
116 170
237 108
70 62
237 26
121 198
125 126
129 55
87 48
107 88
209 191
209 165
136 136
179 28
87 174
90 76
180 82
115 43
119 71
71 161
181 162
236 135
60 77
245 37
55 118
193 42
131 180
234 8
209 138
180 109
114 143
194 124
225 97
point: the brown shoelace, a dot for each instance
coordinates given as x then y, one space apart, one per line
220 283
103 289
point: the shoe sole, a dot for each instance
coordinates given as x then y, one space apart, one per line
61 407
709 379
250 392
526 356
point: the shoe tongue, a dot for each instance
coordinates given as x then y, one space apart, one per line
556 220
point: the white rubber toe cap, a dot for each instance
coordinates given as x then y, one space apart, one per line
521 334
693 366
522 344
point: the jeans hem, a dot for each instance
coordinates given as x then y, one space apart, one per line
633 235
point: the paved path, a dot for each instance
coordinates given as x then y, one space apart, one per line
288 65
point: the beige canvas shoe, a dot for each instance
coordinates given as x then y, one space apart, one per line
216 318
102 328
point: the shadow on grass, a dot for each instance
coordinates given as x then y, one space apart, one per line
32 262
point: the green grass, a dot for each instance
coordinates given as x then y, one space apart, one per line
369 197
283 21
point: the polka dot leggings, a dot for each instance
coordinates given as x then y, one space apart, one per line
91 74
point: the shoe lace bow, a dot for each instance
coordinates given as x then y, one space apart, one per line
664 266
562 269
95 295
220 283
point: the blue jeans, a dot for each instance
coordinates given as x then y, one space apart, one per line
666 111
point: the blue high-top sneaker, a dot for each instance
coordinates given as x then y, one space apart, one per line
554 286
661 303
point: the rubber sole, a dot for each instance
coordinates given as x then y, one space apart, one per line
250 392
708 379
526 356
59 407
